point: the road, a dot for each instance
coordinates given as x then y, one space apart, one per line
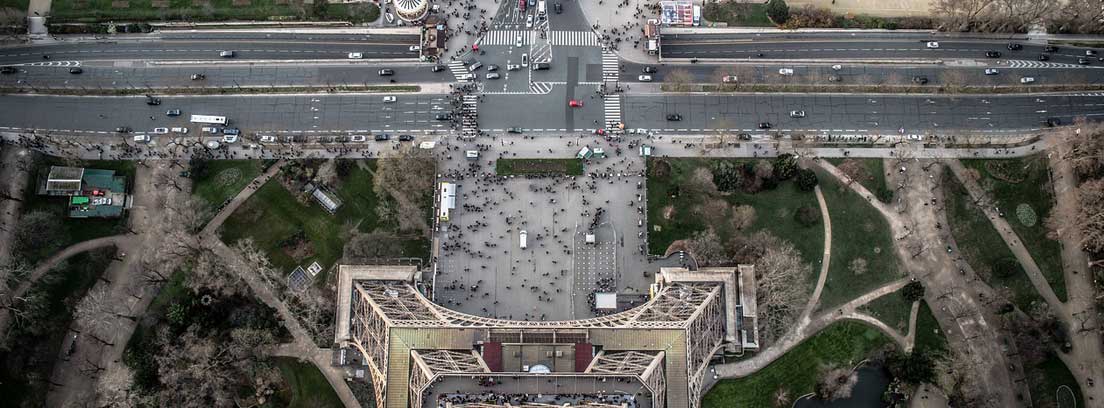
847 46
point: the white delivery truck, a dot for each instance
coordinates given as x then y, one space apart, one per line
524 235
542 8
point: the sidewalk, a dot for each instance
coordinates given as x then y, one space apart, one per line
628 17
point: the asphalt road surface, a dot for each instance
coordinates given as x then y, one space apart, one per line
865 47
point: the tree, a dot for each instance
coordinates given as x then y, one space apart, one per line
835 384
726 175
960 15
707 249
807 216
1005 268
38 234
778 11
913 368
781 286
913 291
742 217
806 180
98 316
785 166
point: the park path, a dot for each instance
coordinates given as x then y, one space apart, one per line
1086 360
44 267
825 258
810 327
1011 240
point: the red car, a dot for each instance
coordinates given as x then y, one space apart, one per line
574 103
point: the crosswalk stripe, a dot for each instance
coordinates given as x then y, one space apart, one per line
575 38
506 37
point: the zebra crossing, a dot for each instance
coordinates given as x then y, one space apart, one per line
469 117
611 66
1042 64
458 69
506 37
612 108
575 38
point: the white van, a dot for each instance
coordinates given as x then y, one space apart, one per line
180 130
524 235
229 138
141 138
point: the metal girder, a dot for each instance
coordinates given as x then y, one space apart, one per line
621 362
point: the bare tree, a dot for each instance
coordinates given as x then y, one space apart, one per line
836 383
113 387
98 316
781 285
679 78
961 15
406 178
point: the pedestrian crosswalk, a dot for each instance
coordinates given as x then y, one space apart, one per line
458 69
611 68
612 108
575 38
1042 64
507 37
469 117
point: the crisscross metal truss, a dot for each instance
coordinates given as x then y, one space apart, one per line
622 362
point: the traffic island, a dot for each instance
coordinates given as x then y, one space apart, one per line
511 167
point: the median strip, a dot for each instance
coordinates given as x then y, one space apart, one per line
878 89
267 89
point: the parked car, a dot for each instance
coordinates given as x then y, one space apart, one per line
141 138
268 139
230 138
210 130
160 131
1052 122
834 78
183 130
492 68
729 79
123 129
153 101
415 48
231 131
558 8
764 125
837 67
383 137
438 68
744 136
406 138
513 130
358 138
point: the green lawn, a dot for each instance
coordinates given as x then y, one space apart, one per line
224 179
873 172
189 10
929 336
572 167
1044 380
892 309
76 229
981 245
306 387
737 14
292 233
774 212
843 344
1024 183
20 5
860 235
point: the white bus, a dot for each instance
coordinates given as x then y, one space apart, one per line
542 8
215 120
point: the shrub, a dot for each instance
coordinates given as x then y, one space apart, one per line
807 216
913 291
806 179
1026 215
778 11
785 166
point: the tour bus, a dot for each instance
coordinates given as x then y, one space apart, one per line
542 8
215 120
523 235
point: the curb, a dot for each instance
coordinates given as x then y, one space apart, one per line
396 61
800 61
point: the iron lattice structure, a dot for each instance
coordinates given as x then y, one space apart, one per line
409 342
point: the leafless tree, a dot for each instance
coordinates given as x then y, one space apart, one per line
961 15
781 286
113 387
405 179
836 383
98 316
707 249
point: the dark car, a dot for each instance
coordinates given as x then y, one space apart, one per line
541 66
406 138
153 101
386 72
1014 47
443 116
764 125
438 68
513 130
383 137
1052 122
122 129
1044 57
744 136
992 54
8 70
1050 48
1083 61
920 80
75 70
558 8
648 69
674 117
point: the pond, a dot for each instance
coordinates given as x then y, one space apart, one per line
867 393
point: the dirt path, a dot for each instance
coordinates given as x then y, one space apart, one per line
45 266
14 162
825 259
1086 361
212 226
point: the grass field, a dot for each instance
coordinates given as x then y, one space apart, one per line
306 387
843 344
20 5
892 309
224 179
506 167
76 229
737 14
206 10
774 212
1025 183
862 247
981 245
292 233
873 172
929 336
1044 380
